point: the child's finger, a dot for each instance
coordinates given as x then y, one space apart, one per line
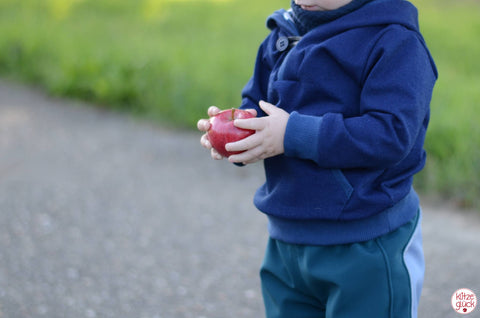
203 125
244 144
249 156
213 110
267 107
252 111
215 155
205 142
250 123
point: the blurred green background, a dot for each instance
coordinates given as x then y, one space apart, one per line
168 60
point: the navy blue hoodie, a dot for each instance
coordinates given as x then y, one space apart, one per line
358 90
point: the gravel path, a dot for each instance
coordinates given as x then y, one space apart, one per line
105 216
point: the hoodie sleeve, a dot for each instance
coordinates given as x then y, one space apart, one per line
394 111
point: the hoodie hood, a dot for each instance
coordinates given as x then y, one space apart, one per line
376 12
382 12
284 20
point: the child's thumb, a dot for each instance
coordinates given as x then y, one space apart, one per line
267 107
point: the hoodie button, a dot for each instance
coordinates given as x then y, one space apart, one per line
282 43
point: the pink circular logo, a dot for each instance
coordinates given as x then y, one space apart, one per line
464 301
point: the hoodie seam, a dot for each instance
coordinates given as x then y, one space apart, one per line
368 66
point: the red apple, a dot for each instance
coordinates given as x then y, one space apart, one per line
222 130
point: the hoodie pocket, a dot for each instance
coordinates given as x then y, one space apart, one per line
299 189
343 182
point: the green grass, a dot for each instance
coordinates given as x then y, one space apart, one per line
169 60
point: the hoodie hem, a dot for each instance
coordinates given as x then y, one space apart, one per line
329 232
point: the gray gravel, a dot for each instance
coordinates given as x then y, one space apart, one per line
102 215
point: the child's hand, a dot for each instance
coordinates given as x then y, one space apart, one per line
204 125
268 139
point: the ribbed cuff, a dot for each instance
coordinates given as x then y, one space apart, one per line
301 136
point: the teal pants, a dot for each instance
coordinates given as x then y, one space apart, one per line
381 278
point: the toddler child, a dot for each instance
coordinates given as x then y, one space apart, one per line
341 92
